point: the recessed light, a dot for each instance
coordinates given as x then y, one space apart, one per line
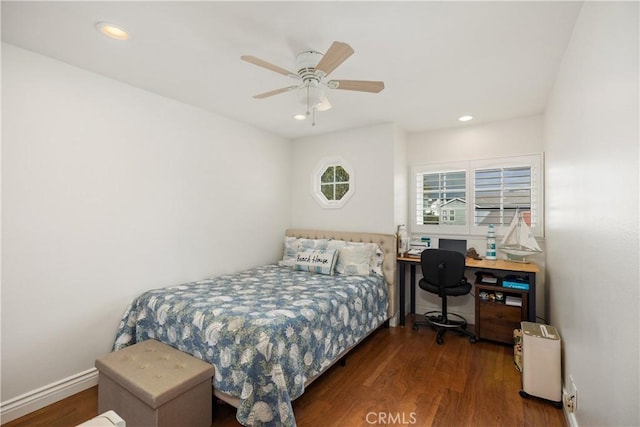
299 116
112 31
465 118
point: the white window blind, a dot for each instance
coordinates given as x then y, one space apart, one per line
503 186
439 203
465 197
441 197
499 192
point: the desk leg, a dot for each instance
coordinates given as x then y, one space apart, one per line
401 273
413 288
531 277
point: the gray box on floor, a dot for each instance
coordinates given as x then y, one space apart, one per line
152 384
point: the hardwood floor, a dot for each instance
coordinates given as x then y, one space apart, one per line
68 412
397 376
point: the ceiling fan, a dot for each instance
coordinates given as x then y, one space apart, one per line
312 71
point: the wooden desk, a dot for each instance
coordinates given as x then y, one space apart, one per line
500 268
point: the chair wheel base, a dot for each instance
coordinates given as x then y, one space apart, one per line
451 320
439 323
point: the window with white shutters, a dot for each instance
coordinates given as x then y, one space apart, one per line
465 197
440 200
436 192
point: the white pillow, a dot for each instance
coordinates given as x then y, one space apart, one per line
321 261
336 244
377 257
355 259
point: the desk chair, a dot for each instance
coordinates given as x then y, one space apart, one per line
443 275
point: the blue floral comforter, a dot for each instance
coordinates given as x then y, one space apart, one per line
266 330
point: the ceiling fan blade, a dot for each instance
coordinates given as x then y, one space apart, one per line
275 92
264 64
336 55
359 85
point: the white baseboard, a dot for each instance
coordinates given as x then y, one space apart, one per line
46 395
569 416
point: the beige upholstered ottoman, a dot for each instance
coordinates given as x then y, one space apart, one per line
152 384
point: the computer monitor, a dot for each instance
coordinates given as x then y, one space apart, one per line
453 245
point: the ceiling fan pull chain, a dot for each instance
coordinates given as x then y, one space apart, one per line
313 122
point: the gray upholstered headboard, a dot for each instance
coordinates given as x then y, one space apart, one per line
387 243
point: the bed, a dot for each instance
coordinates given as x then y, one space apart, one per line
271 330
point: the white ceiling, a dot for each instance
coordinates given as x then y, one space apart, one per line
439 60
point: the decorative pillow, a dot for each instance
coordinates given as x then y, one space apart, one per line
377 256
292 245
290 251
355 259
336 244
321 261
376 261
312 243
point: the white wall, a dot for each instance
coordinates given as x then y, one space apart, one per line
370 152
504 138
513 137
108 191
591 142
401 179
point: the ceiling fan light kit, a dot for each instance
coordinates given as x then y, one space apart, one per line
312 69
312 95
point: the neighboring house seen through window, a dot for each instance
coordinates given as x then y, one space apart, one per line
438 192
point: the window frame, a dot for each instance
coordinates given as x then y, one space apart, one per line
534 161
317 183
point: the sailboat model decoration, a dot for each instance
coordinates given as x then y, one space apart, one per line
518 242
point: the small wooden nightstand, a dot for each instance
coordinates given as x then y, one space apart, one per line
496 320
